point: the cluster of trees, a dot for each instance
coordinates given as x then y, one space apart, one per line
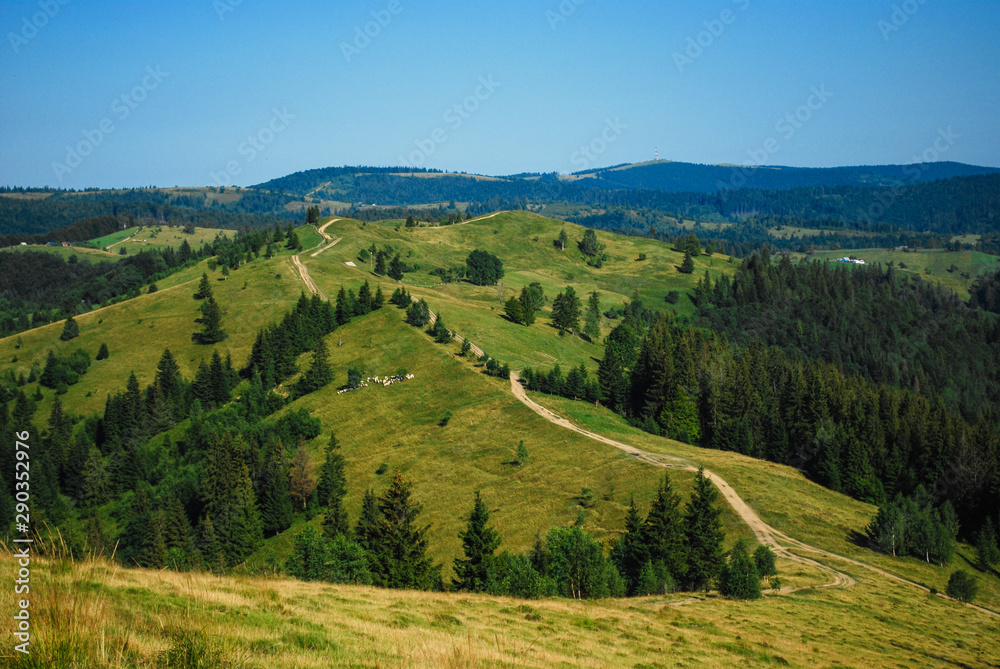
384 262
576 385
60 372
522 309
914 526
483 268
386 547
348 305
868 439
669 549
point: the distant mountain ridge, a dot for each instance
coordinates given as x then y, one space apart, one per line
663 175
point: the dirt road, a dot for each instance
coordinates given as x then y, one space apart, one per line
781 543
306 279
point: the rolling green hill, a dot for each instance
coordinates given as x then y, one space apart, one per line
454 431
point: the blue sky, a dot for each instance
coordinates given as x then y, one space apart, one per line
198 92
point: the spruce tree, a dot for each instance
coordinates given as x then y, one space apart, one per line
331 491
380 257
566 311
211 323
212 556
275 502
102 352
365 532
95 489
400 547
479 543
396 268
987 552
528 306
441 333
738 578
319 374
630 553
70 330
687 265
204 288
343 312
663 531
154 550
704 534
229 498
378 301
365 298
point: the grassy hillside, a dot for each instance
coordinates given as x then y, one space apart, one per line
524 242
144 237
928 264
400 426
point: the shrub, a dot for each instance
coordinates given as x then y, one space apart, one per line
962 586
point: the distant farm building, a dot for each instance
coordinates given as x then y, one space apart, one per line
853 261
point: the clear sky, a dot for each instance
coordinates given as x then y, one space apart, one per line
107 93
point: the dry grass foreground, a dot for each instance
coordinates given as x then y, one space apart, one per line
95 614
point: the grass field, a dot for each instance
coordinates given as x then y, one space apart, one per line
144 237
161 619
928 264
66 252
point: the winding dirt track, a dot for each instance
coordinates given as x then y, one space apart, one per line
765 533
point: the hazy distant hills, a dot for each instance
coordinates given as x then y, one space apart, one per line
663 175
689 177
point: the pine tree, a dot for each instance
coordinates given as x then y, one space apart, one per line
95 488
211 323
343 311
70 330
704 534
479 544
528 306
612 380
365 532
687 265
441 333
273 497
204 288
331 491
212 555
630 553
365 297
154 550
380 257
987 552
218 381
663 531
739 579
229 498
396 268
319 374
399 550
102 352
566 311
379 300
